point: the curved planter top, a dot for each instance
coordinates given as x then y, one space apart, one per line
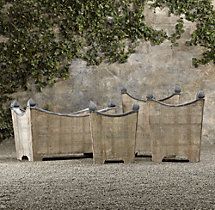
15 106
199 96
93 108
177 91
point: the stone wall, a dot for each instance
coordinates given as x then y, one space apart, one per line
151 69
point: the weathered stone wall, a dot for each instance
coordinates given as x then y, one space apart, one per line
151 69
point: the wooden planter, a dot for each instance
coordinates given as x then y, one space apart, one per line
40 133
176 129
113 135
143 140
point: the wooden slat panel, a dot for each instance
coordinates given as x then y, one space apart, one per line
143 141
172 136
22 133
55 134
113 137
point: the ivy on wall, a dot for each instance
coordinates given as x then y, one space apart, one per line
43 36
5 118
201 12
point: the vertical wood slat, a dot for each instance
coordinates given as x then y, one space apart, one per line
176 130
22 133
143 141
113 137
39 133
56 135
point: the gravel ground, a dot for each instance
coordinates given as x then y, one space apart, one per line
78 184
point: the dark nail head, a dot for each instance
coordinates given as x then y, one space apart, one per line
31 103
150 96
200 94
92 106
135 107
123 90
177 89
14 104
111 104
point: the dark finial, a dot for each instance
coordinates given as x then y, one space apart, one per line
31 103
92 106
14 104
200 95
111 104
123 90
177 89
135 107
150 97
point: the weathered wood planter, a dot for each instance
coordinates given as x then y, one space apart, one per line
176 129
40 133
113 135
143 140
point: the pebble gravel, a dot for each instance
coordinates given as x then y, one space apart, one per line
80 184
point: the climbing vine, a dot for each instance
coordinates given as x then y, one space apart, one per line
39 38
201 12
5 118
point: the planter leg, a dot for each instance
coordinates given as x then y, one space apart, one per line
98 160
157 158
193 158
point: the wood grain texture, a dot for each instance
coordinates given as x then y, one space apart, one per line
55 135
143 140
176 130
113 137
40 134
22 133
